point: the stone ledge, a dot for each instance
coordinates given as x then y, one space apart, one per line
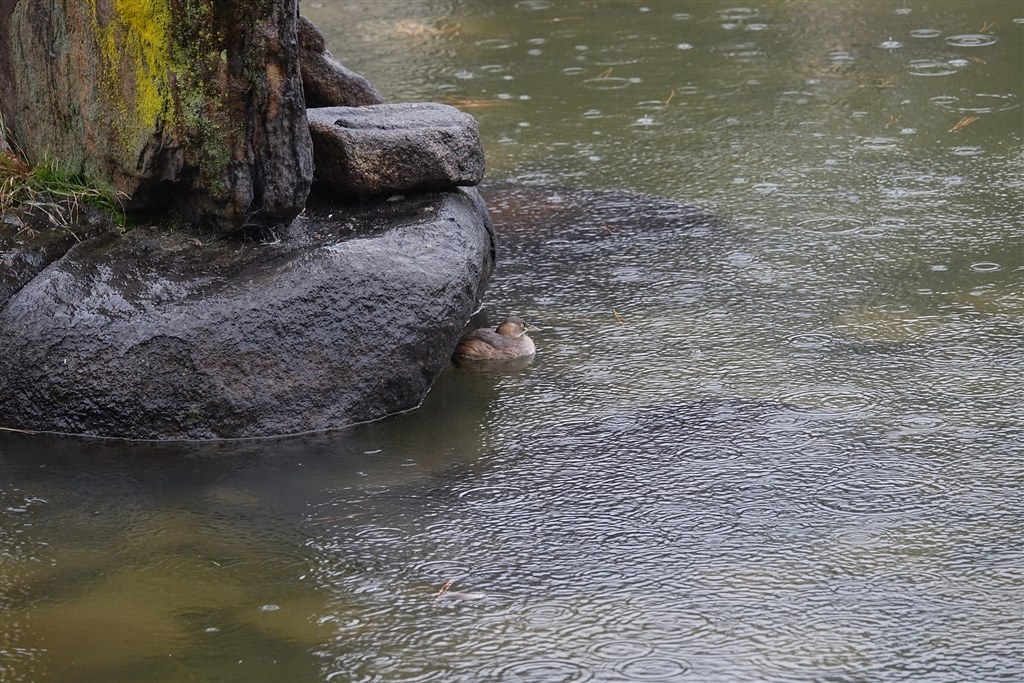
394 148
349 317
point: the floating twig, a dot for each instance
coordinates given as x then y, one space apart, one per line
444 589
963 123
893 120
619 318
987 26
607 72
414 29
336 518
469 103
879 83
670 96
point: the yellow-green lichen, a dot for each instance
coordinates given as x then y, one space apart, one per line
136 41
162 71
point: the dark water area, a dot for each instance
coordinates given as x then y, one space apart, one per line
774 430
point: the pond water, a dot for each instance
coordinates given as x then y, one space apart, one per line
773 432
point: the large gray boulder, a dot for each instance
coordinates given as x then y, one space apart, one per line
326 82
394 148
348 317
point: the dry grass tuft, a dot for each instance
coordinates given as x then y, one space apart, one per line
48 189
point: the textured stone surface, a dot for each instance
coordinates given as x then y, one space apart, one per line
195 105
29 243
326 81
350 316
393 148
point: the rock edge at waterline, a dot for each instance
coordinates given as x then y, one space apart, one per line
349 316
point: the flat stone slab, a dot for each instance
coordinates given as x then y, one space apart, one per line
394 148
348 317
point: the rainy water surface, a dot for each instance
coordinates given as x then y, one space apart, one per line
774 430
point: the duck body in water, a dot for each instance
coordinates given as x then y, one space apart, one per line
508 341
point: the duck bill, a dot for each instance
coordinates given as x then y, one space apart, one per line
531 328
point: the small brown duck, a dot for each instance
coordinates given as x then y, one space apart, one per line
508 341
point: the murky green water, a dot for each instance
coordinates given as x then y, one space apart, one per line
778 436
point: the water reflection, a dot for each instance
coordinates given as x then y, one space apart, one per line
772 431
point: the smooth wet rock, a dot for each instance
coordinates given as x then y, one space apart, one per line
394 148
326 82
29 243
348 317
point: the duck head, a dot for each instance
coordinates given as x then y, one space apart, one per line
515 327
